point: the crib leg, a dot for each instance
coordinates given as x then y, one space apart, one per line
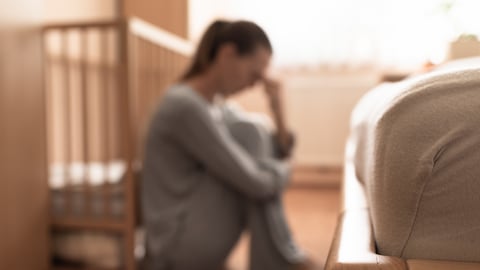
130 263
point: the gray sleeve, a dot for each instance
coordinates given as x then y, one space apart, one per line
258 142
194 130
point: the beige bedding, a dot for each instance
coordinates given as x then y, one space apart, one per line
417 153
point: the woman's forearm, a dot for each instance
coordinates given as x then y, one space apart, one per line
283 135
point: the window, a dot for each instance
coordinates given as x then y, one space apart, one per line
377 33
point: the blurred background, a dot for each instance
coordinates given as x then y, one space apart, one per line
79 78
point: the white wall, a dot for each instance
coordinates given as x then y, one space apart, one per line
201 14
318 106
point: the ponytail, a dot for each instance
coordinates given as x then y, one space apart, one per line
246 36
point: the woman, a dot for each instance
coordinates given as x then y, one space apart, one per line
202 187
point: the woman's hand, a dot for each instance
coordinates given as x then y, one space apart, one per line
273 91
283 136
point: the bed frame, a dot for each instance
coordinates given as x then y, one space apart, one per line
102 81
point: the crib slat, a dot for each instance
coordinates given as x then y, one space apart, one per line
144 91
85 120
170 66
150 96
149 73
155 66
67 126
139 80
166 63
142 82
161 72
128 140
105 89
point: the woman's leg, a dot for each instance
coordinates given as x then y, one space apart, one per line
271 245
213 224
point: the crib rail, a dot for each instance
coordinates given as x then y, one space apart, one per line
157 59
102 81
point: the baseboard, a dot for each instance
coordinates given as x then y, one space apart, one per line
316 176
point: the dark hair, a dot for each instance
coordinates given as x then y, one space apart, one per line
245 35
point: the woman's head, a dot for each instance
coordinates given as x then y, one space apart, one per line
237 52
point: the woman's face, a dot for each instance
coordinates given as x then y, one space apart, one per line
238 72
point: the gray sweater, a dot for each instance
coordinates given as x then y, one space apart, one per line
187 146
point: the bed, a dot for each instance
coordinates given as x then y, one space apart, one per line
411 155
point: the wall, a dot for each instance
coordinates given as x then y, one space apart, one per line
23 185
202 13
60 11
170 15
318 106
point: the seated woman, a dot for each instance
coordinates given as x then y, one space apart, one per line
209 172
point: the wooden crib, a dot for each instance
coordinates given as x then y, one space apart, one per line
102 80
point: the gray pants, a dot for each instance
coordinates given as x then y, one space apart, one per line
207 237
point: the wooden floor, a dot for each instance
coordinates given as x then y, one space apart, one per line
312 214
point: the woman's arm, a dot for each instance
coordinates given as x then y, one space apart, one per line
194 130
283 137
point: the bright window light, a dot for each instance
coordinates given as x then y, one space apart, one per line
382 33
